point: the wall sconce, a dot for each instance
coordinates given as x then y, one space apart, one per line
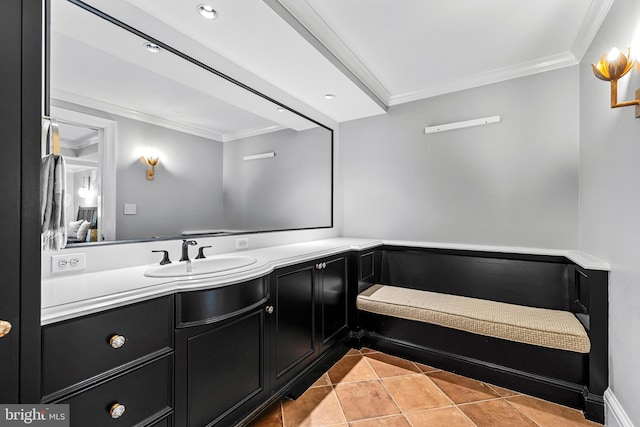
85 190
611 67
152 158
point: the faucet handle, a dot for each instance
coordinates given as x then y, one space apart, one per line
165 257
201 252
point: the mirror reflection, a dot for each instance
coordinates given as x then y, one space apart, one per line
158 146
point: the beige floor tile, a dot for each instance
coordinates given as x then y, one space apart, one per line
441 417
426 368
365 399
549 414
371 389
390 366
392 421
496 413
324 380
351 368
461 389
271 418
316 407
415 392
504 392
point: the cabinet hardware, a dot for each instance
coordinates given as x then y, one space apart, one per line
5 328
117 410
269 309
117 341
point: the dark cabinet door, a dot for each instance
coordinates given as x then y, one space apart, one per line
332 301
20 105
221 373
293 327
310 314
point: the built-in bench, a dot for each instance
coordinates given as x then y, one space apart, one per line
533 323
538 326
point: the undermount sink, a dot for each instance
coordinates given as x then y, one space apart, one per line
200 266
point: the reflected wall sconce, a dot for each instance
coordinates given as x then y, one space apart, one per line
85 190
259 156
613 66
151 159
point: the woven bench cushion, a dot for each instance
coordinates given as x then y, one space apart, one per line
538 326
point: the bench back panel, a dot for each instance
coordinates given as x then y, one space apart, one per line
531 281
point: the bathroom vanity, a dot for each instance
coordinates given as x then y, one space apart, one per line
214 346
205 350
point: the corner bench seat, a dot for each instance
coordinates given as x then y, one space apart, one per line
530 325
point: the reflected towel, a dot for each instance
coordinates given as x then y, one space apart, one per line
52 189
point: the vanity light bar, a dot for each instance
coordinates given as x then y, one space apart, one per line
260 156
460 125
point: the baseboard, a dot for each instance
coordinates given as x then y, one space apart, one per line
615 414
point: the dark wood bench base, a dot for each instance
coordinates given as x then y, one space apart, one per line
573 379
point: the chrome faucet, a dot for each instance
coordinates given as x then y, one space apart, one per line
185 249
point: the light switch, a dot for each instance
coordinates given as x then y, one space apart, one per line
129 209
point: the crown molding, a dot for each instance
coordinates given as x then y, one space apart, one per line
78 145
132 114
494 76
595 17
158 121
252 132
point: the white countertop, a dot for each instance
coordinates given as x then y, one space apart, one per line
72 295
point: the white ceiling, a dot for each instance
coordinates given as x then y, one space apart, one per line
372 53
418 49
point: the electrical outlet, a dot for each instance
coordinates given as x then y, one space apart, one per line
70 262
242 243
129 209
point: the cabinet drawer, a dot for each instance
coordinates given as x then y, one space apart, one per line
146 394
212 305
79 352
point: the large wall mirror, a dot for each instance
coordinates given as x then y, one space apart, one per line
229 160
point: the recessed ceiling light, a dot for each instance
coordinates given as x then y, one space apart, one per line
329 96
280 110
152 47
207 11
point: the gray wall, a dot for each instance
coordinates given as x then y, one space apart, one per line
610 198
290 190
510 183
186 193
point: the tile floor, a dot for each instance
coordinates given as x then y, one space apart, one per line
368 389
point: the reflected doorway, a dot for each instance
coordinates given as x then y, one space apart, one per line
87 143
80 146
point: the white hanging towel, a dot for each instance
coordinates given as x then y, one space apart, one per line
52 192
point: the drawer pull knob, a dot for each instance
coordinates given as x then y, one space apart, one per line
269 309
117 410
117 341
5 328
